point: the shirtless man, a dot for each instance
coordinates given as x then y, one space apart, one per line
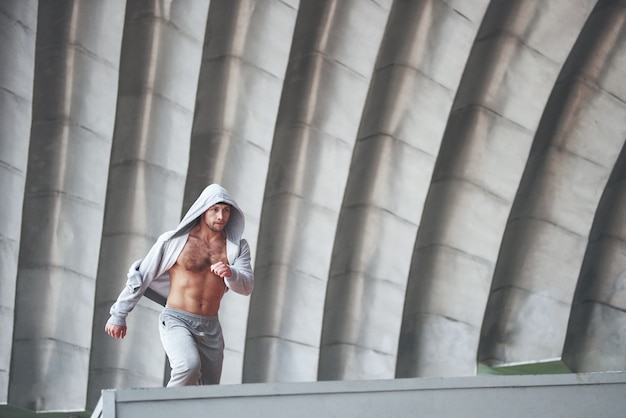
196 280
192 266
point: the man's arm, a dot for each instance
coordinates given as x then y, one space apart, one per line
115 331
242 277
128 298
140 275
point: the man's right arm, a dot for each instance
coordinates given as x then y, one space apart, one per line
115 331
125 303
116 325
140 275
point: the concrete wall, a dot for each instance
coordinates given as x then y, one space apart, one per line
583 395
430 186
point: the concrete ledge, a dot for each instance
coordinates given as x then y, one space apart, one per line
566 395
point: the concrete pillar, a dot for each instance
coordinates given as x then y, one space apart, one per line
509 74
596 336
548 230
243 68
419 66
75 87
160 63
18 21
329 70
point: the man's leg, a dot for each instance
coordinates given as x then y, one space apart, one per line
211 349
180 347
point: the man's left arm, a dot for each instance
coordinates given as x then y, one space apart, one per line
242 277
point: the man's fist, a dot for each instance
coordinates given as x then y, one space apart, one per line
221 269
115 331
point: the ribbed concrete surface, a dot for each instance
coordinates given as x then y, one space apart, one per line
432 187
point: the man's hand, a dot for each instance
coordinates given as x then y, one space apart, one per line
221 269
115 331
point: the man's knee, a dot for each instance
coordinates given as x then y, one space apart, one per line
186 373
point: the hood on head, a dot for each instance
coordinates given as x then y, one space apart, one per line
211 195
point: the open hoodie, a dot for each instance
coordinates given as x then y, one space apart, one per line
150 275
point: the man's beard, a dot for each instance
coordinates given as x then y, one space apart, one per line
217 228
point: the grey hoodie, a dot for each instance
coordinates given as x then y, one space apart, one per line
150 275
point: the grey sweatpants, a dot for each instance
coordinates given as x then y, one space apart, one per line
194 345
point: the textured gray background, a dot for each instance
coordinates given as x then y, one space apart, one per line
432 188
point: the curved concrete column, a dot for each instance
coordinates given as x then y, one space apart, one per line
75 87
420 63
548 230
18 21
511 69
149 162
241 79
331 62
595 337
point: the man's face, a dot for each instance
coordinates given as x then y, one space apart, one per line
216 217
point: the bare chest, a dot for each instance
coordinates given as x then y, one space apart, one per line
198 255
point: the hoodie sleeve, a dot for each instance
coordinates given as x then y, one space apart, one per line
140 275
242 279
130 295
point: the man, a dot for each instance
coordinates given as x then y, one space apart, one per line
188 270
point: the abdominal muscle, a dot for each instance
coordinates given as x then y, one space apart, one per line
193 287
